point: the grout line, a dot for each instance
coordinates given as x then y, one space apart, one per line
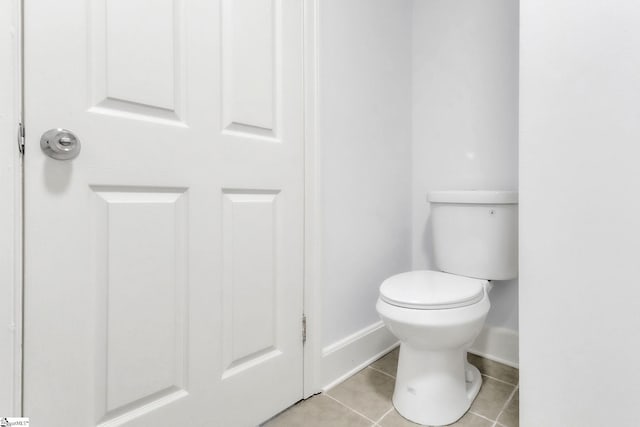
482 416
384 415
349 408
382 372
513 393
499 380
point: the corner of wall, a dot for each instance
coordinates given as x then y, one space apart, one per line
497 344
344 358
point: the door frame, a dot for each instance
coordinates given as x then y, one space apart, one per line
11 218
11 215
312 287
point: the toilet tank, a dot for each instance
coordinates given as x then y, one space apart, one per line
475 233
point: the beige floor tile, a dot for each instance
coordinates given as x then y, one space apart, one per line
494 369
492 397
369 392
318 411
388 363
472 420
510 415
393 419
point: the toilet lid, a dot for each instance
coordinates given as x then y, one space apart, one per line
431 290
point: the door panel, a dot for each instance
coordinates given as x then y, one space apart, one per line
163 265
250 238
141 250
137 58
249 65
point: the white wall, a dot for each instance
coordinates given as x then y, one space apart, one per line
414 95
364 135
10 196
465 120
580 213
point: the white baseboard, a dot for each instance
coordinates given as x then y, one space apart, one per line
344 358
498 344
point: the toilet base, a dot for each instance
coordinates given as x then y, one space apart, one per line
435 388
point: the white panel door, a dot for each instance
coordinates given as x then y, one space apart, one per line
163 265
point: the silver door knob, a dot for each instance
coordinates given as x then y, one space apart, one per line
60 144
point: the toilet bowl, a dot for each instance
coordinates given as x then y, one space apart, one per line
434 384
436 315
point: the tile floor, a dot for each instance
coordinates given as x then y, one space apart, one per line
365 400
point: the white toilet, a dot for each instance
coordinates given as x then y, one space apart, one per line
437 315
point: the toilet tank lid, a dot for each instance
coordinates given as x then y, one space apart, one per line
474 197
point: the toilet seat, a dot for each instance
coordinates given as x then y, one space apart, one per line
431 290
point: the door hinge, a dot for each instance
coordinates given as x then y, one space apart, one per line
304 329
21 138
